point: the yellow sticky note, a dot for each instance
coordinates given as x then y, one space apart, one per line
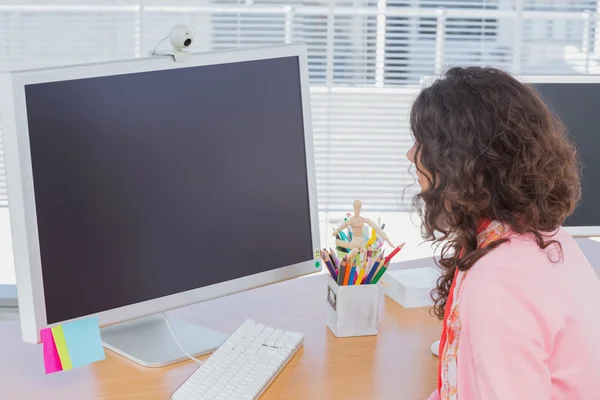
61 347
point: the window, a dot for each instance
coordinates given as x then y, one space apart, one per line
366 59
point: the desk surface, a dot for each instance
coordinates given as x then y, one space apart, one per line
395 364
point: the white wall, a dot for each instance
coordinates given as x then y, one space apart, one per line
401 227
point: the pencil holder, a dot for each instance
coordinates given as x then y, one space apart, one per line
352 310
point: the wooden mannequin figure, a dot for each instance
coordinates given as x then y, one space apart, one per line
356 223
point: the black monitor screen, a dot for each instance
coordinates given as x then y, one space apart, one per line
155 183
577 106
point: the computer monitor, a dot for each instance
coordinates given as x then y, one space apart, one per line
141 186
574 99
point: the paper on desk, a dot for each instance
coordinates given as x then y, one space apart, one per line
51 358
61 346
72 345
83 341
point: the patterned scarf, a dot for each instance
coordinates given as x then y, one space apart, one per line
487 232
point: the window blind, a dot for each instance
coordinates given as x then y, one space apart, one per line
366 58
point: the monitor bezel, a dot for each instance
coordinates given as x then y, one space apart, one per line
576 231
21 189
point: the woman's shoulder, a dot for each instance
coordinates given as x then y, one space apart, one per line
520 269
524 286
522 254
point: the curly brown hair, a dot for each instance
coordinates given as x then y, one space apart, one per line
491 150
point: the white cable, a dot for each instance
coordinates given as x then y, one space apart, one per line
177 341
158 44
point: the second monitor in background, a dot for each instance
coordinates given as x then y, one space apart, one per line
574 99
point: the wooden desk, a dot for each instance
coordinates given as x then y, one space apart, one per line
397 364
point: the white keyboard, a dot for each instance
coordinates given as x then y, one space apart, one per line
244 366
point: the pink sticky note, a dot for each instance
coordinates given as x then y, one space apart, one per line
51 357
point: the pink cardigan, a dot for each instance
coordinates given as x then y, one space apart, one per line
530 328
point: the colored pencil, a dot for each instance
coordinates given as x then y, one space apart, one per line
360 276
327 257
373 270
327 260
341 273
379 274
393 253
335 258
368 265
343 236
352 276
376 268
347 273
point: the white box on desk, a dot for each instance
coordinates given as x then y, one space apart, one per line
352 310
411 287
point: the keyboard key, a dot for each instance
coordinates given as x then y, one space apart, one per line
268 330
180 396
246 326
256 387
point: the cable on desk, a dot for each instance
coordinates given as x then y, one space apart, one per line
177 341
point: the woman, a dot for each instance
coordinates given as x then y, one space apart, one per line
519 301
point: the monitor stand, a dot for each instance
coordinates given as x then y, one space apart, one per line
147 341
